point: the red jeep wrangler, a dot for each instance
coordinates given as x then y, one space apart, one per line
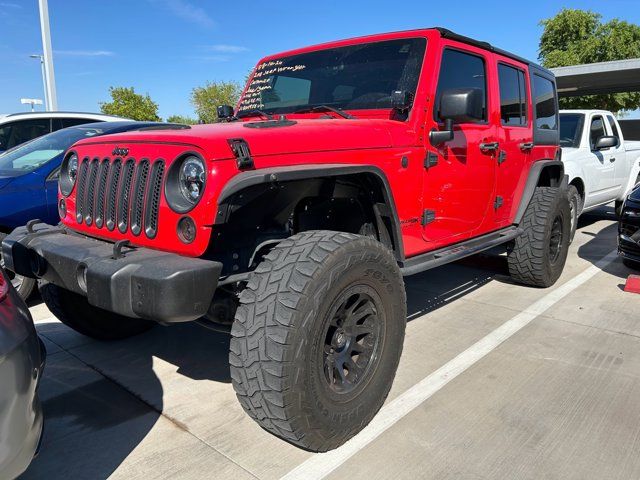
344 167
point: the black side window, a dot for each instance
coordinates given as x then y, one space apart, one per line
461 70
545 103
25 130
513 96
614 129
596 130
59 123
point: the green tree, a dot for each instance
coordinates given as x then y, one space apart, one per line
206 99
575 37
125 102
182 119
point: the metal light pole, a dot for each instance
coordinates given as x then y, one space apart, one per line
44 80
50 80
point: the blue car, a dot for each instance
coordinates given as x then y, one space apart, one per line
29 178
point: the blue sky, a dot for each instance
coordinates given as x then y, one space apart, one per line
166 47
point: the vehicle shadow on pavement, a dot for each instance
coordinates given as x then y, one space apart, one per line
601 242
433 289
102 399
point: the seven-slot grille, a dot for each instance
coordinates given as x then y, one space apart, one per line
118 193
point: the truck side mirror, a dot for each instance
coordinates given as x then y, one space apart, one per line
225 112
606 142
457 105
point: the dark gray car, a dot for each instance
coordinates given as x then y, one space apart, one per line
22 359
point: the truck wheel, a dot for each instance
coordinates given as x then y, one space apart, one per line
575 206
23 285
539 254
317 337
75 311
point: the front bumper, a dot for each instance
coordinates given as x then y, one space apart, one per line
138 282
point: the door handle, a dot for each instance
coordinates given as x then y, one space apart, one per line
612 159
526 146
489 146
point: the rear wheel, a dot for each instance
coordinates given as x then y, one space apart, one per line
317 337
539 254
75 311
23 285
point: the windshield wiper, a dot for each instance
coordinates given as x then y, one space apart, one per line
253 112
325 108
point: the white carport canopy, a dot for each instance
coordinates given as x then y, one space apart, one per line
593 78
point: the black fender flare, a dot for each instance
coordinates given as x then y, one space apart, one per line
533 180
292 173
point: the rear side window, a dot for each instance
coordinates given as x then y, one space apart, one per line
461 70
513 96
596 130
15 133
614 129
59 123
545 103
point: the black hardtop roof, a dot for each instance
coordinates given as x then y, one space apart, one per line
446 33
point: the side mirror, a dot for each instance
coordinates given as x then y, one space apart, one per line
225 112
461 105
606 142
457 105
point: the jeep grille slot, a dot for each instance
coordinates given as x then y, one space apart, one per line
153 199
102 186
93 173
113 192
124 195
139 188
82 186
112 195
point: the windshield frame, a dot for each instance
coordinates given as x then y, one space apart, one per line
421 42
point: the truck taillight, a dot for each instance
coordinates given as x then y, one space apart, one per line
4 287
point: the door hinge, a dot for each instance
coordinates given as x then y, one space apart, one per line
431 160
498 202
428 216
502 156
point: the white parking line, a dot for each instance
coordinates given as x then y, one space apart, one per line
322 464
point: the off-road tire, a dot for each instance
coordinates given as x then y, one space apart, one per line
575 205
277 344
25 284
75 312
531 259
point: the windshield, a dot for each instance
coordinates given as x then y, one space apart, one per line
355 77
571 129
26 158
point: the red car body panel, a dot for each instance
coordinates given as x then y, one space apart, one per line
461 189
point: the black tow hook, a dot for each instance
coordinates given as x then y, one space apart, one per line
117 248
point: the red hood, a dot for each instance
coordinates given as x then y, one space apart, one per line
306 135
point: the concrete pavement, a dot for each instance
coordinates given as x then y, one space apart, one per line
556 400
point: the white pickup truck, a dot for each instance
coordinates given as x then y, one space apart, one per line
602 167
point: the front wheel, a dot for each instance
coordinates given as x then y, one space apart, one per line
317 337
575 207
75 311
539 254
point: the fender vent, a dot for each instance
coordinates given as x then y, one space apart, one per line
240 149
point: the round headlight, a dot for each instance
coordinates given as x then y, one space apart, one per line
192 179
185 184
68 174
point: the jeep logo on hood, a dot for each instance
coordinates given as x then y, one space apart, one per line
120 152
